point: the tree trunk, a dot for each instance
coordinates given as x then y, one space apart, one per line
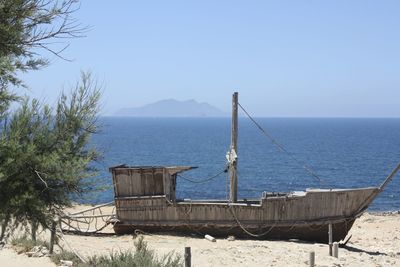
34 229
4 225
53 236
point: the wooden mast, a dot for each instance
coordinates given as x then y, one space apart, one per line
233 152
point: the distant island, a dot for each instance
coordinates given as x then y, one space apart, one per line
173 108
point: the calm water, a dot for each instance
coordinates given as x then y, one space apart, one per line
346 153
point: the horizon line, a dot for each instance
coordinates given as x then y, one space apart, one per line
262 117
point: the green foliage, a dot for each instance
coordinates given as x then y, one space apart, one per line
45 156
6 98
25 244
30 29
28 26
141 257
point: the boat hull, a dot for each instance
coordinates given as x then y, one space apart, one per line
306 232
303 215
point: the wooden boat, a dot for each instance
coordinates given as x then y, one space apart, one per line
145 200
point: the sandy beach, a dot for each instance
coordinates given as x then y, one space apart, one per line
375 241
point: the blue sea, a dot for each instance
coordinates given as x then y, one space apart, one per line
345 153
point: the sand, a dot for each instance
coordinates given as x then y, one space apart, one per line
9 258
375 241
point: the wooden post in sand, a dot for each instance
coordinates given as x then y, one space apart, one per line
312 259
188 257
336 249
330 239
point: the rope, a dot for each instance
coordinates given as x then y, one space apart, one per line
70 247
281 147
187 220
227 186
77 230
202 180
93 223
247 231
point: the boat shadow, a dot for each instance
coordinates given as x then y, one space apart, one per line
359 250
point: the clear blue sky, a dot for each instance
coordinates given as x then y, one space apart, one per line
286 58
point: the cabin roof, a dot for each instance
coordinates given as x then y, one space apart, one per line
171 169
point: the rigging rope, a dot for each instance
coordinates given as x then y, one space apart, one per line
89 221
247 231
281 147
202 180
70 247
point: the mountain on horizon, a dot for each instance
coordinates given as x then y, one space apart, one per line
173 108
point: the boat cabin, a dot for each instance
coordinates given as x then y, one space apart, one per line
143 181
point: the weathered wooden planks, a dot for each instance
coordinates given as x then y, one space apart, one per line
145 198
314 205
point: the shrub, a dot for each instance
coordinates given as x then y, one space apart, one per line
141 257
